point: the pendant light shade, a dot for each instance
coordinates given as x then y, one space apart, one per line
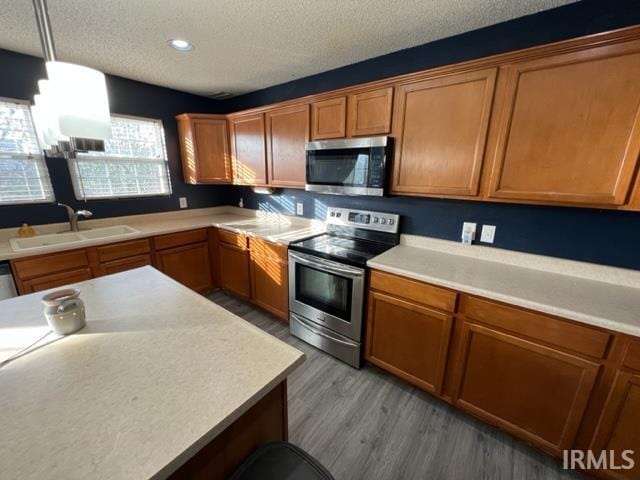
71 112
79 100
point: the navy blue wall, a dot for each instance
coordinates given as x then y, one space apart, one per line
18 79
600 236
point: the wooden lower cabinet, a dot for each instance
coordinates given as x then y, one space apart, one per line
188 264
270 277
533 391
54 280
234 269
409 340
548 381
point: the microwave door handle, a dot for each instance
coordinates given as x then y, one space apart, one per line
326 265
306 325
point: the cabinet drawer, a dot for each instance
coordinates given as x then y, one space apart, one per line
123 250
554 331
413 290
123 264
267 249
54 280
632 357
47 264
181 238
232 238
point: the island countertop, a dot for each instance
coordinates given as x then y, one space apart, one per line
157 373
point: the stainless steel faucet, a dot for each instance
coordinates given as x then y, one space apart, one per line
73 216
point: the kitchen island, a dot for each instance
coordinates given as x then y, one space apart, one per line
161 382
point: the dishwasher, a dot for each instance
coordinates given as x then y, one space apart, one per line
7 287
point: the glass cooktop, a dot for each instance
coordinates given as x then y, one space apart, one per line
341 249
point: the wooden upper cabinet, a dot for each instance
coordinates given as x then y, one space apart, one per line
287 132
329 119
369 113
248 154
569 127
440 126
204 145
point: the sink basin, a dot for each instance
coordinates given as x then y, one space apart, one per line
105 232
44 240
41 241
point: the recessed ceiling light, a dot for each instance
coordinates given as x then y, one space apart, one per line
181 45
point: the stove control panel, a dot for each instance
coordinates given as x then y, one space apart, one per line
380 221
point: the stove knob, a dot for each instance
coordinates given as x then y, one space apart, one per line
391 221
376 219
383 221
338 214
333 214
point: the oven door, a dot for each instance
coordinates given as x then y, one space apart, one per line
348 167
328 293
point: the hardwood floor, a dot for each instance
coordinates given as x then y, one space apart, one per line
366 424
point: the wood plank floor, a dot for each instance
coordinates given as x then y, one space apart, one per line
366 424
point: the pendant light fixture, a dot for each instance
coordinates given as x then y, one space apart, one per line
71 111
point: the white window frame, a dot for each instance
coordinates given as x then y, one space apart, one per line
102 156
37 157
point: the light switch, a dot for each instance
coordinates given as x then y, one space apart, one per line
299 208
488 233
183 202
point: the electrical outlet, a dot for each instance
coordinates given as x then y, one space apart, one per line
183 202
468 232
299 208
488 233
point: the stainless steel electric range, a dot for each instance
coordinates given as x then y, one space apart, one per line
327 278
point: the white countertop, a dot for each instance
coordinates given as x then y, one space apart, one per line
606 297
270 226
157 373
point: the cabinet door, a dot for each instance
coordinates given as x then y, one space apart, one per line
248 150
408 340
56 280
369 113
441 127
618 428
270 284
123 264
329 119
188 265
569 130
234 270
204 144
287 132
533 391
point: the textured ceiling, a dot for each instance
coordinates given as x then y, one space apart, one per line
243 45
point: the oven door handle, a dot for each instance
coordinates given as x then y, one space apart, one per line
305 324
326 265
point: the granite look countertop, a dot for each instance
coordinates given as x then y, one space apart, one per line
598 295
270 226
158 372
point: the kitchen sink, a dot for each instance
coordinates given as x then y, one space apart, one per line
65 238
105 232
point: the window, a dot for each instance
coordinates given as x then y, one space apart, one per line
134 163
24 177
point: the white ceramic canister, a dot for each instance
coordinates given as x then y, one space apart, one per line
64 311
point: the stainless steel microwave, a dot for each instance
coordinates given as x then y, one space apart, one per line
352 166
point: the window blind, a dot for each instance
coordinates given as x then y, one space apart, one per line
134 163
24 177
